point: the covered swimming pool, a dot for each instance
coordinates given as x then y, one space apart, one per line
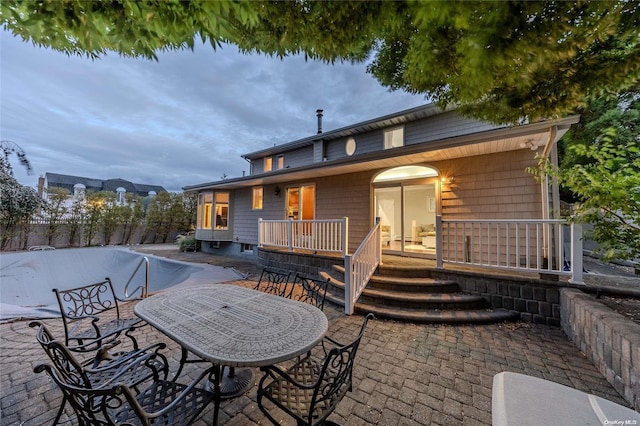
26 278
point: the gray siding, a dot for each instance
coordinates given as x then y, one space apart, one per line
365 143
299 157
318 151
245 219
485 187
442 126
347 196
294 158
494 186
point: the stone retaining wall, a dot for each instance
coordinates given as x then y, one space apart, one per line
310 264
536 300
609 340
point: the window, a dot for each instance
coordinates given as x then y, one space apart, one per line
246 248
301 202
268 164
222 210
350 147
394 138
280 162
205 204
258 193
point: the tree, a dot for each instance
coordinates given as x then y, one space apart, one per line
110 218
8 148
505 61
54 211
500 61
608 189
18 203
75 219
600 171
95 205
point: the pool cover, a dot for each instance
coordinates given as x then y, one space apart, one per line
26 278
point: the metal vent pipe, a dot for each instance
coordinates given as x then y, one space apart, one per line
319 114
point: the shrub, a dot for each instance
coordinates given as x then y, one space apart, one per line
187 243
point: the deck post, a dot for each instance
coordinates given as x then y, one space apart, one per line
260 232
439 240
348 299
576 254
345 236
290 234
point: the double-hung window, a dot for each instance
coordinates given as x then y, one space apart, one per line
394 138
258 196
222 210
205 205
268 164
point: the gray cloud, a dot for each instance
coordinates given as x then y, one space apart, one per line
183 120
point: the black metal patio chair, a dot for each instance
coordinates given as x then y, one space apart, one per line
131 368
274 282
163 402
310 390
309 290
80 309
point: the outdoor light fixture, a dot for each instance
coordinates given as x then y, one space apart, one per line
277 191
446 180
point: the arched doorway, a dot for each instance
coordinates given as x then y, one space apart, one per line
406 201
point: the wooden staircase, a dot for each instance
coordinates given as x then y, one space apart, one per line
407 293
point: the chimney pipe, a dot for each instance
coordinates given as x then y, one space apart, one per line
319 114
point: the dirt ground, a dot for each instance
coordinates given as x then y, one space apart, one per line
598 274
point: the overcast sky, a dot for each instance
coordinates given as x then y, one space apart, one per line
183 120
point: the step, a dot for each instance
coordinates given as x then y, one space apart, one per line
400 285
422 300
395 271
423 285
434 316
405 271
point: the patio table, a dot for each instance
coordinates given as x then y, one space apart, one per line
234 326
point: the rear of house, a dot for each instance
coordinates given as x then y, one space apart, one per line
410 172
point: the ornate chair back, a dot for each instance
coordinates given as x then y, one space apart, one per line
162 402
80 308
69 368
274 282
336 377
310 390
309 290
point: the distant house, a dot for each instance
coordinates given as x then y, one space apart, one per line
78 186
425 182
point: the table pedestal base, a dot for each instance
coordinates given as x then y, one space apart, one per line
234 382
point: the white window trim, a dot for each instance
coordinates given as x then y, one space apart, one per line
388 139
253 197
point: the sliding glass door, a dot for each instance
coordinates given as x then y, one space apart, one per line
407 213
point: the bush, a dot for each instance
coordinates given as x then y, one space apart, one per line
187 243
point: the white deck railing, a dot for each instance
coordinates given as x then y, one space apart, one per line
359 267
329 235
551 247
543 246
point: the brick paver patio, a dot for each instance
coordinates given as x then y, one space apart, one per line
405 374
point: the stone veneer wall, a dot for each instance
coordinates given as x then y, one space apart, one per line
310 264
536 300
609 340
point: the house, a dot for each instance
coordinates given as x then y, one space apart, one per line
424 182
78 186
